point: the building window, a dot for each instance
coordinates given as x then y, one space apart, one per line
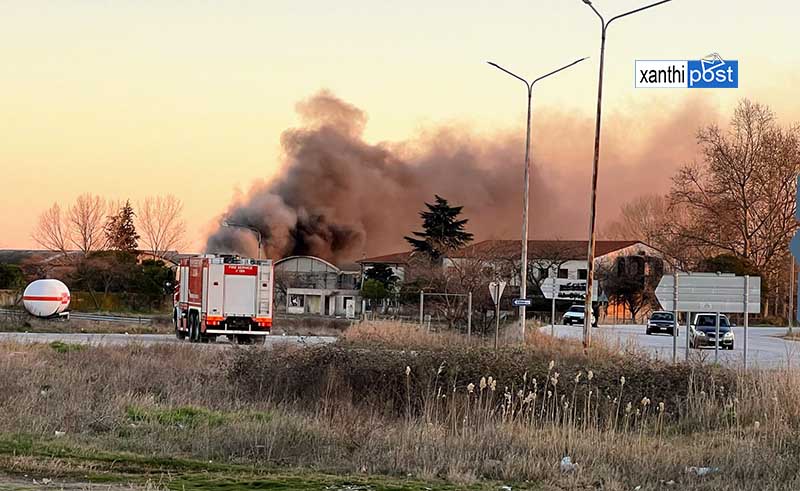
563 273
582 274
296 300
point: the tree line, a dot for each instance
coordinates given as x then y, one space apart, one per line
93 223
100 242
732 210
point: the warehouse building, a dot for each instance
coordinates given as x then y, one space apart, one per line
312 286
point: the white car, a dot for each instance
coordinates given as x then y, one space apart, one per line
575 316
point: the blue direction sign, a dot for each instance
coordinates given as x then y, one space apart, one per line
519 302
794 245
797 209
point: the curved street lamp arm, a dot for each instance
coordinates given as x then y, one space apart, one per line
602 21
634 11
556 71
259 236
511 73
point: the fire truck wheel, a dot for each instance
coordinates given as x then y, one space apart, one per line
190 327
178 333
194 329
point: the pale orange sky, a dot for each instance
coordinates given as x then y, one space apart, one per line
133 98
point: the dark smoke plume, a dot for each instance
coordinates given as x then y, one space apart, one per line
340 198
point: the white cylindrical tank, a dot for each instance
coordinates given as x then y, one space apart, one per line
44 298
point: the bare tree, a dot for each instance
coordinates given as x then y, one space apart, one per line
631 281
451 281
51 231
547 259
87 219
161 225
741 198
656 221
641 218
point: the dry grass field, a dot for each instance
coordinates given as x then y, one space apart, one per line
390 407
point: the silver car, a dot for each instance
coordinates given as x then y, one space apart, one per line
703 332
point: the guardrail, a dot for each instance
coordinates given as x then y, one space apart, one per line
129 319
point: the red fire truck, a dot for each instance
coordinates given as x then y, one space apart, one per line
220 295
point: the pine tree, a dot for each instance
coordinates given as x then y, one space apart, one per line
442 230
121 231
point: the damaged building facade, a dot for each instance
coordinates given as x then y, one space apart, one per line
307 285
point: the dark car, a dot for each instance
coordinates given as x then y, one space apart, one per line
661 321
703 332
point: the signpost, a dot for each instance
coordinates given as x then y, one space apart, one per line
564 289
519 302
496 291
794 246
710 292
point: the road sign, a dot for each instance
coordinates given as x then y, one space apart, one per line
496 290
566 289
709 292
519 302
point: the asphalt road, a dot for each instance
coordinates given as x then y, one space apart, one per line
765 348
146 339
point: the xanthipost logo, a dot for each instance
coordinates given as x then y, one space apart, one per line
711 72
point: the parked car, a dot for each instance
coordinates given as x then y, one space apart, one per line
661 321
574 315
702 332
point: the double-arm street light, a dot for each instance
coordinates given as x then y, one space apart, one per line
526 184
587 316
226 223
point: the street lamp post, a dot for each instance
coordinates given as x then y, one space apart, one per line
587 317
248 227
525 199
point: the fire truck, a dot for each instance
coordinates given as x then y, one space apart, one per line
223 295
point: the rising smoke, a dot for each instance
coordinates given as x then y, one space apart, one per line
339 197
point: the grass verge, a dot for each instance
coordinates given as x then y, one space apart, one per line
55 463
394 406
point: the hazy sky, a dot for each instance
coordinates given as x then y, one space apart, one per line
134 98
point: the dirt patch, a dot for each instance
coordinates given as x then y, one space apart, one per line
30 483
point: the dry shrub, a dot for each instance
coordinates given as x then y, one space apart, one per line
403 335
369 368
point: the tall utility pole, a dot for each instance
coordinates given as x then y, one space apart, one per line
256 231
587 318
523 292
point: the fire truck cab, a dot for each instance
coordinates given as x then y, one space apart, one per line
223 295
